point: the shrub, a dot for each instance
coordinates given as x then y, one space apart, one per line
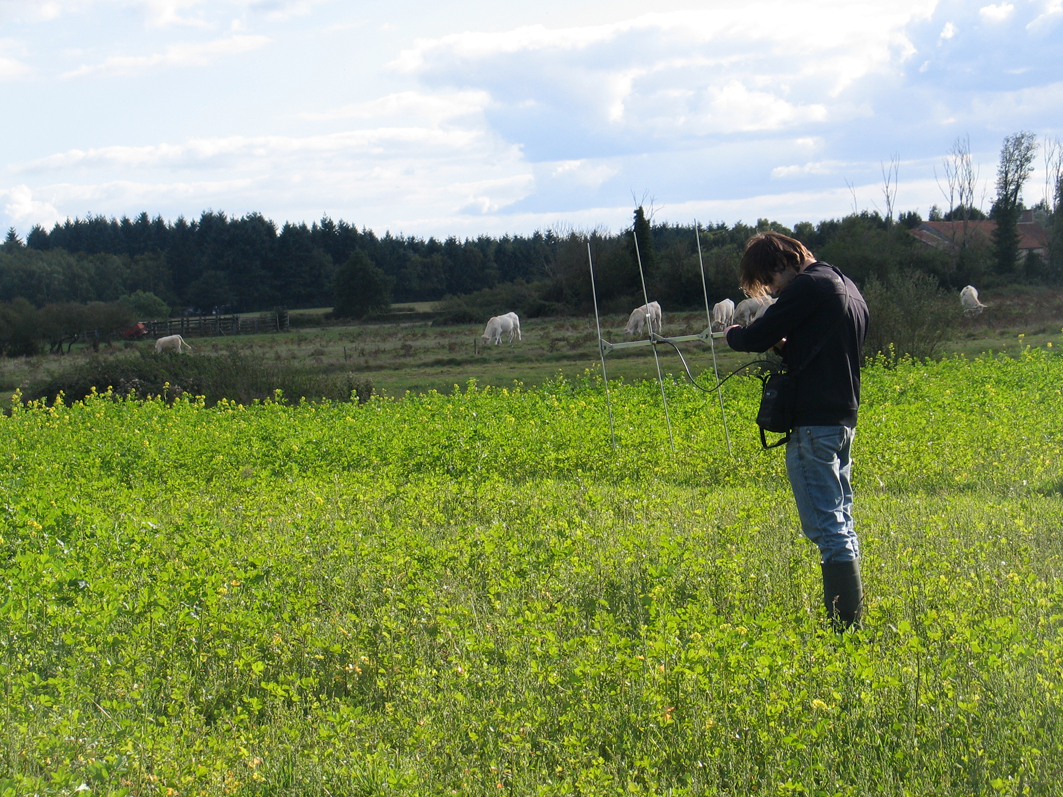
519 297
229 374
909 315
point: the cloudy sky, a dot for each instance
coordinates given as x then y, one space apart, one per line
461 118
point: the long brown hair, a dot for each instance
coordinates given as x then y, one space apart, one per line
766 254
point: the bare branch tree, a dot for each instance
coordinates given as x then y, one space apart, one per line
852 190
951 186
967 177
1052 220
961 178
1052 150
889 186
641 203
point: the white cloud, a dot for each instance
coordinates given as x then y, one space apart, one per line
432 108
201 153
165 13
24 210
490 196
48 10
277 11
484 127
29 10
11 68
582 172
162 13
863 31
183 54
996 13
670 75
1000 108
105 197
1052 13
423 170
815 167
737 108
474 45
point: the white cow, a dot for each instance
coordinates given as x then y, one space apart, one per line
969 301
500 324
722 313
641 317
749 310
171 343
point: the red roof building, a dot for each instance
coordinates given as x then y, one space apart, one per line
948 235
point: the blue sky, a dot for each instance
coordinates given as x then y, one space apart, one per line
428 118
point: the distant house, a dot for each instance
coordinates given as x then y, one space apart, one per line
948 235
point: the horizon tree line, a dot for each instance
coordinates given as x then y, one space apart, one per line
221 264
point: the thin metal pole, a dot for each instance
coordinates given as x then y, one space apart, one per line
712 342
656 358
601 349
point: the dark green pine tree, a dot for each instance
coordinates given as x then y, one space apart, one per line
644 236
12 242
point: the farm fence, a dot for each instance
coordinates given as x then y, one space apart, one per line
208 325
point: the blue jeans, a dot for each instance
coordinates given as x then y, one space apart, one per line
819 465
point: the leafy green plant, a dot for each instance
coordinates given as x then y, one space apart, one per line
475 593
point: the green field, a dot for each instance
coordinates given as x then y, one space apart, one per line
474 593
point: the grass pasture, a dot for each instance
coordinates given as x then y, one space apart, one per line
409 352
419 356
473 593
399 356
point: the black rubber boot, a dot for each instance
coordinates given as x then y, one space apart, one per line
843 594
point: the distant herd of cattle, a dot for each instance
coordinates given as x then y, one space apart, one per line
645 317
724 314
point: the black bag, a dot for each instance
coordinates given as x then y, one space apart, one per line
776 407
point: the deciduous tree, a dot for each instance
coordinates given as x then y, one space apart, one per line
1016 165
361 288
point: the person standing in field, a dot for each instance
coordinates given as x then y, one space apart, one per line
819 322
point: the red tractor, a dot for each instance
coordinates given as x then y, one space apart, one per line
136 332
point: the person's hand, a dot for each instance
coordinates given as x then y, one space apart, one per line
733 326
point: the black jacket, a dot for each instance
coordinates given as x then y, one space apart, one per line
828 389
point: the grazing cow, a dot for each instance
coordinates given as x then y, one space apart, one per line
171 343
722 313
641 317
969 301
500 324
516 326
749 310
